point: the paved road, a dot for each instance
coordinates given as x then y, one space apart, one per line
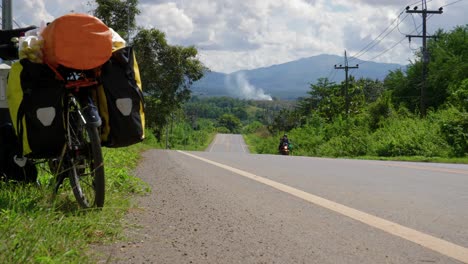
228 143
222 207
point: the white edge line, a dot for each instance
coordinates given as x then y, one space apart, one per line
439 245
213 143
241 140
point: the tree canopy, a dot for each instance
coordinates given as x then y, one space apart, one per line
118 15
447 70
167 72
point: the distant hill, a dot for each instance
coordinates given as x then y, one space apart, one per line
286 81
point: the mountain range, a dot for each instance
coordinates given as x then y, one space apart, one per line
287 80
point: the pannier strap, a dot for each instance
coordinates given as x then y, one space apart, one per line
80 83
75 84
57 74
19 125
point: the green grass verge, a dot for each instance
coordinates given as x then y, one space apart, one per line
417 159
267 145
36 227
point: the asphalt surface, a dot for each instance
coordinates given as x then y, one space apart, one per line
227 206
230 143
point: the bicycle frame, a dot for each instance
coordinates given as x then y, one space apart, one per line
82 153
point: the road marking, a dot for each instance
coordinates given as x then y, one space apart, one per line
241 143
213 143
439 245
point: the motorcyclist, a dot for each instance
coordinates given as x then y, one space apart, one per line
283 140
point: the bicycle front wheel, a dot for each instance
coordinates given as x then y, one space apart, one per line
87 166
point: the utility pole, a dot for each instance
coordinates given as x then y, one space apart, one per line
128 21
346 68
7 23
7 18
425 54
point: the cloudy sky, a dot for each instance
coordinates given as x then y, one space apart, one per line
233 35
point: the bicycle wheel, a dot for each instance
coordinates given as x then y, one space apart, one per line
86 163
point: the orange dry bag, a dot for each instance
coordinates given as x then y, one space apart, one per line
77 41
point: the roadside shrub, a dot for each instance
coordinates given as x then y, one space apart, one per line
356 144
150 138
261 145
306 140
252 127
223 130
379 111
409 137
454 128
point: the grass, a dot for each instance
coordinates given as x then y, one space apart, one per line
417 159
39 227
267 145
36 227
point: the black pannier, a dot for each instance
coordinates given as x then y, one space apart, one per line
9 147
35 100
120 101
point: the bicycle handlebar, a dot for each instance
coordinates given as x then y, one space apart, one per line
8 49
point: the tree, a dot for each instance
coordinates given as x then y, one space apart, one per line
447 68
449 64
166 71
118 15
371 89
402 92
284 121
459 95
325 99
231 122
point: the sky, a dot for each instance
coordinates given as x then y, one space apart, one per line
233 35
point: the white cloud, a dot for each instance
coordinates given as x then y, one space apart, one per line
232 35
35 12
168 18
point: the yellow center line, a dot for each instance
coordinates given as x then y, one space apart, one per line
436 244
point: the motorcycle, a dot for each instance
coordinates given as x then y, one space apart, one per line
284 149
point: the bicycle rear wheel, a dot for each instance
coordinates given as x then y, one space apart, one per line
86 163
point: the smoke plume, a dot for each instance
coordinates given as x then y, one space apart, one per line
238 85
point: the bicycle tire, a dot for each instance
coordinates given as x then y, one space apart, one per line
87 169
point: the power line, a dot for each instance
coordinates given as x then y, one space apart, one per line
452 3
367 48
414 22
330 73
385 51
371 44
411 48
14 21
363 50
375 44
332 79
